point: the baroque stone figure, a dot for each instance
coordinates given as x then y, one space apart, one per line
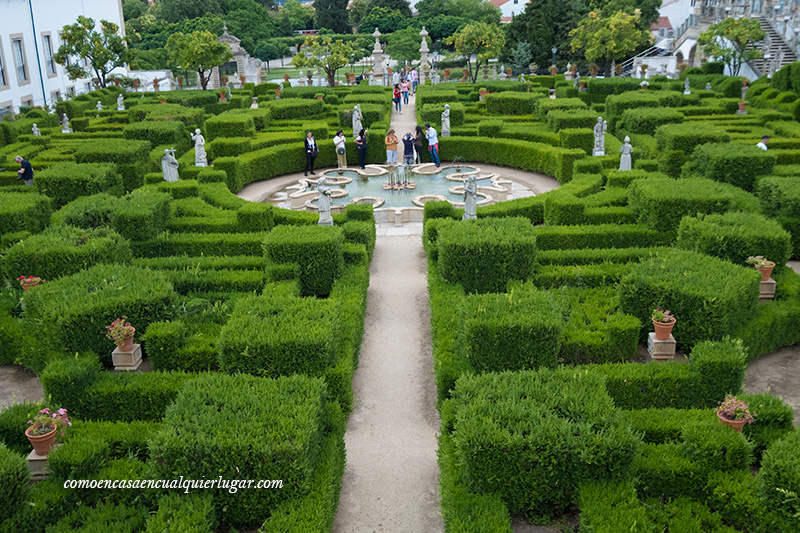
708 86
169 165
324 203
626 149
254 105
600 137
120 103
470 198
199 148
686 89
35 131
446 121
99 106
357 118
65 124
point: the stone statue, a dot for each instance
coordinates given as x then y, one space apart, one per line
169 165
470 198
435 78
65 124
522 77
600 137
99 106
324 203
446 121
301 79
254 105
357 118
199 148
708 86
626 149
120 103
577 79
35 131
686 89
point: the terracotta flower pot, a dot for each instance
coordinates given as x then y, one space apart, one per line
737 425
126 345
766 270
663 329
28 284
42 444
742 106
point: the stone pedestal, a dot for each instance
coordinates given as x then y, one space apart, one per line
398 218
37 464
767 290
661 349
127 361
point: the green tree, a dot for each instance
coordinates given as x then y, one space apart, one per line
358 10
269 49
104 50
178 10
604 40
251 26
199 52
385 19
442 26
403 45
332 14
544 24
325 53
474 10
521 58
480 39
728 40
301 17
399 5
132 9
648 9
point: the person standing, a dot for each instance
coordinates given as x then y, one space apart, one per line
398 106
433 143
408 149
763 143
311 152
391 147
361 144
341 154
26 172
404 86
418 136
414 81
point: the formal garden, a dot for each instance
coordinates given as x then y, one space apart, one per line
252 316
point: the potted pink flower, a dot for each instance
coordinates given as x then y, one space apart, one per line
663 322
44 429
121 332
734 412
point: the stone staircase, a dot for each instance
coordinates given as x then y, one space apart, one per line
777 49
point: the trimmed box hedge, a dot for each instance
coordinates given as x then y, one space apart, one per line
733 163
676 142
318 251
24 212
230 125
433 113
142 214
512 103
65 182
646 120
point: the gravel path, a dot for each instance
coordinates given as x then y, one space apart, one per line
391 479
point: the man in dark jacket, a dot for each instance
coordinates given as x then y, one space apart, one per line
26 172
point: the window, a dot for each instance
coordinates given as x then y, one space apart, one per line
3 80
19 60
55 96
71 91
50 65
26 101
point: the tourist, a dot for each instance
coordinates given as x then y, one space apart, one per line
341 154
391 147
311 152
361 144
404 86
433 143
408 149
398 106
26 172
414 80
763 143
418 143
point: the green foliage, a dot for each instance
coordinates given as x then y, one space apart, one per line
610 38
433 113
158 133
483 40
485 254
13 422
600 236
64 250
199 52
24 212
735 236
192 513
142 214
582 138
780 476
676 141
230 125
544 106
780 196
318 251
103 50
130 157
731 42
611 506
65 182
733 163
710 297
646 120
511 103
14 479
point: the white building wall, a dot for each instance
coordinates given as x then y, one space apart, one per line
512 8
49 16
676 11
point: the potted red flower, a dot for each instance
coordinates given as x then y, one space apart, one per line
30 281
44 429
663 322
122 333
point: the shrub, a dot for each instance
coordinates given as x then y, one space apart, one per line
676 141
780 196
142 214
611 506
735 236
230 125
65 182
199 244
318 251
709 296
64 250
433 113
571 119
733 163
73 311
646 120
582 138
255 217
545 106
130 157
24 212
14 480
158 133
512 103
597 236
191 513
293 108
517 435
13 422
521 331
780 477
623 178
485 254
289 410
270 337
563 208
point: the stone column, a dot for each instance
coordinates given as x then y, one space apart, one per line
424 66
319 77
377 59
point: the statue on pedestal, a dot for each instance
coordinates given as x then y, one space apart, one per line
199 148
324 203
686 89
600 137
626 149
65 124
470 198
169 165
120 103
446 121
35 131
357 118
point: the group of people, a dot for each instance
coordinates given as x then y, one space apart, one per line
412 147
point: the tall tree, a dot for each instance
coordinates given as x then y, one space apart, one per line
608 39
199 52
521 58
648 9
269 49
474 10
480 39
400 5
442 26
385 19
332 14
358 10
300 16
545 24
104 50
325 53
728 40
403 45
178 10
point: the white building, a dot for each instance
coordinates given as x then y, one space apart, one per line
29 38
509 8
